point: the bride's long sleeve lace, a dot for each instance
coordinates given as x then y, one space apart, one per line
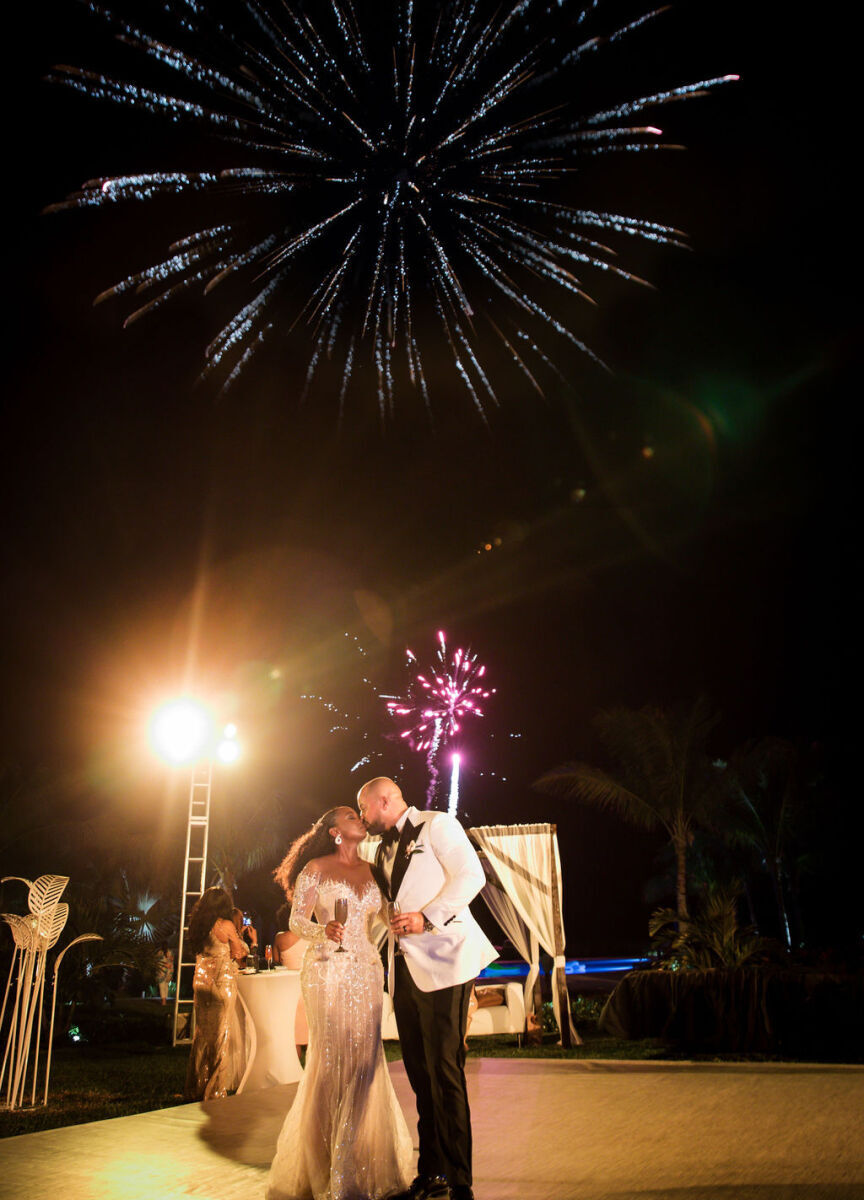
305 899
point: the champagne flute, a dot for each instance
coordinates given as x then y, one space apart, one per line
340 914
268 955
393 910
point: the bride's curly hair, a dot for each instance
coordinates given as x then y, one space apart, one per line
314 843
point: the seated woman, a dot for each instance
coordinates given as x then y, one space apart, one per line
288 951
288 947
217 1059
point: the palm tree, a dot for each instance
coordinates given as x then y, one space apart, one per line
145 914
764 784
662 775
114 911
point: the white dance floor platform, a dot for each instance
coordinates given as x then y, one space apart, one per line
543 1130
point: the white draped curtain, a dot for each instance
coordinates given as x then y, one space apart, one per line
526 863
505 913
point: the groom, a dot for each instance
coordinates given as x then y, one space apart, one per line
426 863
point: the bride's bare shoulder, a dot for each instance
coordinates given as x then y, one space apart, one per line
317 866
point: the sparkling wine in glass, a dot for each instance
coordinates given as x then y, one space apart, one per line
268 955
340 914
393 910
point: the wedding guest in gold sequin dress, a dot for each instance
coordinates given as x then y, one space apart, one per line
218 1052
345 1137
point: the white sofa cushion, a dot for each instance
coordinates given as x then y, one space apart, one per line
508 1017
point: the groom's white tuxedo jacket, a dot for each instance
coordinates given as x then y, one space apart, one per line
436 871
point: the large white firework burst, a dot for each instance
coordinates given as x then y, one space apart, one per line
405 177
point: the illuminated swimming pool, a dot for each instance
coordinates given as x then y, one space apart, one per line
575 966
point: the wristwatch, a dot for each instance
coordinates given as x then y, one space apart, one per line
428 927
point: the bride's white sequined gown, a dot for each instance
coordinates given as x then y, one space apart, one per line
345 1137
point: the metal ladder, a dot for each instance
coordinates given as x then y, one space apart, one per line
194 883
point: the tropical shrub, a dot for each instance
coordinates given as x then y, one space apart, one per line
712 938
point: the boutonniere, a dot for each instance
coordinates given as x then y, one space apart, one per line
412 848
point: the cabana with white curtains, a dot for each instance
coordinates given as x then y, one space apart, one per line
524 896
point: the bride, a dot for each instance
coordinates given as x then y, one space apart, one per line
345 1137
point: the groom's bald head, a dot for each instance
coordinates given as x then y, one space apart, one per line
381 803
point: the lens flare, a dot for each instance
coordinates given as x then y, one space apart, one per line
228 752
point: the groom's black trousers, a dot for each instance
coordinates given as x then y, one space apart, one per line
432 1031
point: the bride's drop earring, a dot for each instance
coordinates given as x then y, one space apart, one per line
338 839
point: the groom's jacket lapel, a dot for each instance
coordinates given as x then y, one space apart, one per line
379 874
402 858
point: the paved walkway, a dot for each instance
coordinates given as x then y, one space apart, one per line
543 1130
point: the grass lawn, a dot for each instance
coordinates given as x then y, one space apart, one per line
91 1083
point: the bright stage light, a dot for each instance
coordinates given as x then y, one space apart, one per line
228 751
181 731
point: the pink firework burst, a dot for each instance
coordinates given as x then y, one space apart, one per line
438 702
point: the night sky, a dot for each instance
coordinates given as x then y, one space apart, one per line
667 529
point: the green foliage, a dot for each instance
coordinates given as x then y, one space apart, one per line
587 1009
548 1024
131 923
712 938
584 1009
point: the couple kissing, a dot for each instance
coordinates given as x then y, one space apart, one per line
345 1137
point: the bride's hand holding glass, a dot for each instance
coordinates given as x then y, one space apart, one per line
336 927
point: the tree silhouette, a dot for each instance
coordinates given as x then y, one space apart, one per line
660 775
242 841
764 782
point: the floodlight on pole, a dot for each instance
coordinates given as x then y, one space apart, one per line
184 732
181 731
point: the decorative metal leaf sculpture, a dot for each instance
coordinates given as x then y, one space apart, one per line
23 930
46 891
51 925
34 935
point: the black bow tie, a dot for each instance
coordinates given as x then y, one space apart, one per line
390 836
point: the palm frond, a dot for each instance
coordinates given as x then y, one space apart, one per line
661 774
590 785
765 775
241 839
661 756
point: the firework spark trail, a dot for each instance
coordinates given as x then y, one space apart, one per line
351 723
453 800
424 150
437 704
